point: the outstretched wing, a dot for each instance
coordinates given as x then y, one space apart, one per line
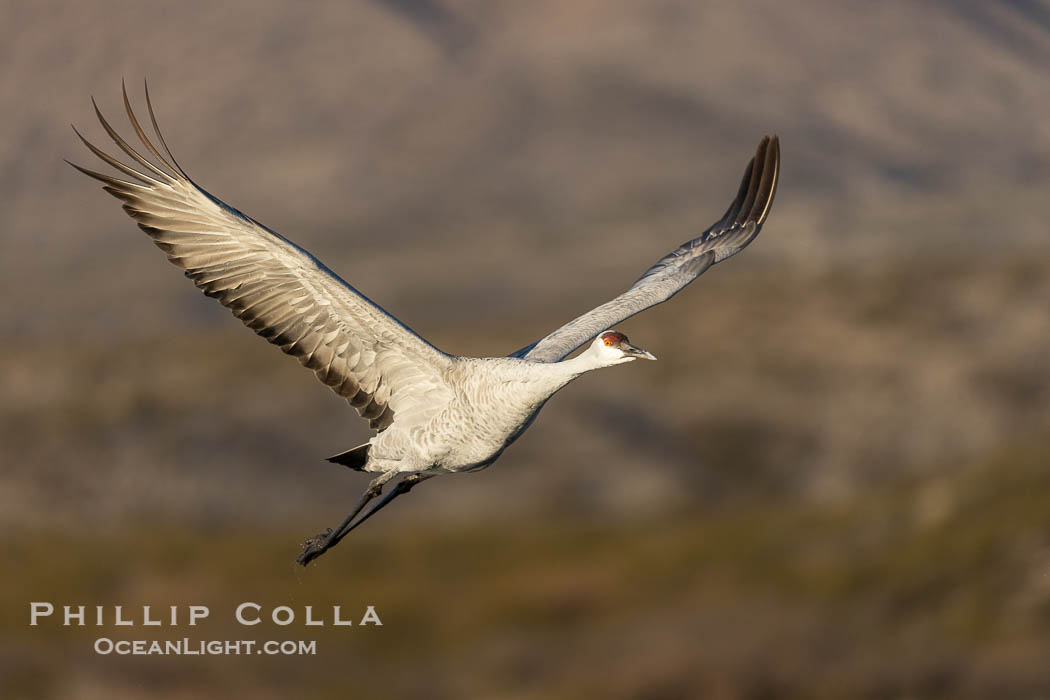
276 288
726 237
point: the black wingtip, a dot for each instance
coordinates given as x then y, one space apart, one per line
770 178
105 179
758 186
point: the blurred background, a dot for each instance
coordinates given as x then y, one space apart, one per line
833 484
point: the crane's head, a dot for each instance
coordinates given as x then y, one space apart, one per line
612 347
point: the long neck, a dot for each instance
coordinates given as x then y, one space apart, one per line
561 373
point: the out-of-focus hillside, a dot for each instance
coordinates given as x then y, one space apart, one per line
931 589
486 172
770 385
832 484
530 149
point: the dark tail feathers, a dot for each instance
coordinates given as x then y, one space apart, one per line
353 459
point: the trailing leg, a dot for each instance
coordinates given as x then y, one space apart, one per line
321 543
403 486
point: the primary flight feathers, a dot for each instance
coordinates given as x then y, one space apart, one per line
275 287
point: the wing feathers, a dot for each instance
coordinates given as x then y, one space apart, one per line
276 288
729 235
124 146
749 198
156 129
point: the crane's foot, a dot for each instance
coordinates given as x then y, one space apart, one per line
319 544
314 547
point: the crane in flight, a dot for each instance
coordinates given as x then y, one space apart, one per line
433 413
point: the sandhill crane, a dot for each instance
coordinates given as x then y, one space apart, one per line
433 413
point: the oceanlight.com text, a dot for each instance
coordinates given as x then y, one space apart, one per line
204 647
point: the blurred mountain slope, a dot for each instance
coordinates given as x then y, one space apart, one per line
486 171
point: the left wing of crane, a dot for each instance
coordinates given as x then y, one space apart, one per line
672 273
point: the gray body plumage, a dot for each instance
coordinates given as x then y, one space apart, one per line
491 401
433 412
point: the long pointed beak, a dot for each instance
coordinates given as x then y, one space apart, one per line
638 352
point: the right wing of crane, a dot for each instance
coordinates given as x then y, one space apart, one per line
276 288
